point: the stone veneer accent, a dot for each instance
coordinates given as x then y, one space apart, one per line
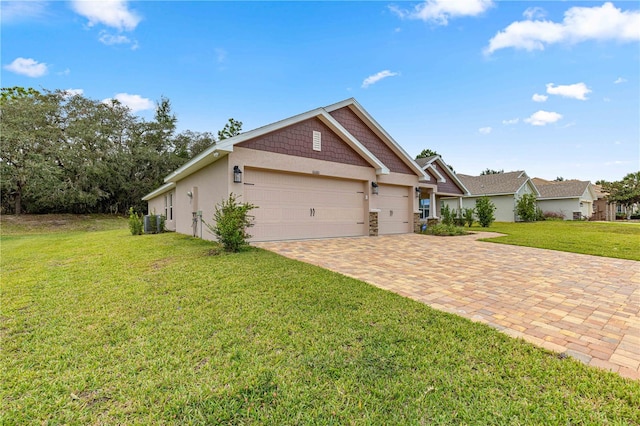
370 140
431 222
373 224
297 140
416 223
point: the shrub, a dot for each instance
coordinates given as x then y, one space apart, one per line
458 220
468 216
447 215
484 210
232 220
446 230
135 222
526 208
553 216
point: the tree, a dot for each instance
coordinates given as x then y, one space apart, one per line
559 179
231 129
526 208
491 172
27 137
625 192
484 210
426 153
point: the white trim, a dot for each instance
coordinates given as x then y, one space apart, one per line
164 188
355 107
450 172
225 146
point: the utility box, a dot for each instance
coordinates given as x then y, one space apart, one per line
153 224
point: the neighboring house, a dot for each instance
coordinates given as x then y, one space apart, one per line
329 172
503 189
573 199
444 183
602 208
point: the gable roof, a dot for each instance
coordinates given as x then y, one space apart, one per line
354 106
563 189
443 172
224 147
496 184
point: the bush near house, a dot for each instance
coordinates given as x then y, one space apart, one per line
526 208
485 211
231 222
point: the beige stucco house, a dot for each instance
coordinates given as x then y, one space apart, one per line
329 172
573 199
503 189
443 183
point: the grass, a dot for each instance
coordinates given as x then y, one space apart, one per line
106 328
610 239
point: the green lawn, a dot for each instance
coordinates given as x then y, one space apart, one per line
105 328
610 239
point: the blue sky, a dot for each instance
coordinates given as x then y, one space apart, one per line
547 87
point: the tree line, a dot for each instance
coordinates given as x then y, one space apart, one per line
66 153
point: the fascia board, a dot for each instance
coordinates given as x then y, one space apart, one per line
379 130
164 188
225 146
334 125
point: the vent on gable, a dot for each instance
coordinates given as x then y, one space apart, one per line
317 141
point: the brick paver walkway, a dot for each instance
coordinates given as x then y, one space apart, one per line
584 306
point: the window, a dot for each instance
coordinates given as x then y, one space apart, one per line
424 208
168 206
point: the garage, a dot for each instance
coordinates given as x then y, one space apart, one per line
394 203
295 206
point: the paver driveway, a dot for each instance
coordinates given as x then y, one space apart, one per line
584 306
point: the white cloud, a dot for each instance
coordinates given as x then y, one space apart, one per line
440 11
28 67
539 98
372 79
512 121
575 91
112 13
620 80
134 102
110 39
579 24
534 13
542 118
485 130
13 11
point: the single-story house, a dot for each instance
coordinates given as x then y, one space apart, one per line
503 189
602 208
329 172
444 183
573 199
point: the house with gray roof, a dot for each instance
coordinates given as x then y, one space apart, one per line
573 199
503 189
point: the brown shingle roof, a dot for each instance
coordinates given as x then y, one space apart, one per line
562 189
494 184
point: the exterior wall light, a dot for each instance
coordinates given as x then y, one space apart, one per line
237 174
190 194
374 188
417 192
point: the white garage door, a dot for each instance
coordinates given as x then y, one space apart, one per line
393 202
293 206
